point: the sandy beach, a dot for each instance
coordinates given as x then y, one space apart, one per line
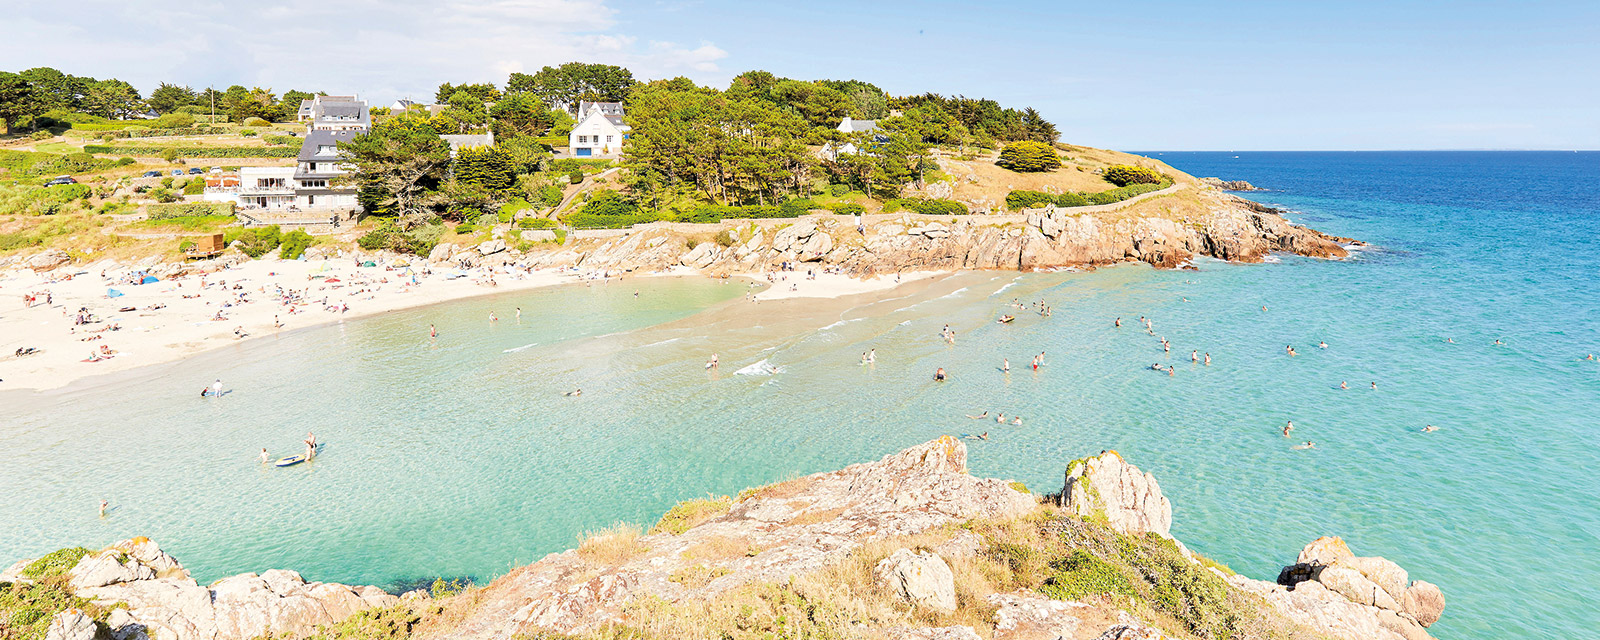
77 328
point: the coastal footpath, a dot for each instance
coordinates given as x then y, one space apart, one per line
910 546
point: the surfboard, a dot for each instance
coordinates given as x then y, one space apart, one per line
289 461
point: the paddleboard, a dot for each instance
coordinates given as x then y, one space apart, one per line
289 461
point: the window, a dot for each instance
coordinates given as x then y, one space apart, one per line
311 200
583 139
327 149
608 138
312 167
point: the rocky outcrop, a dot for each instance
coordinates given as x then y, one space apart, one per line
1229 185
164 601
49 259
796 527
919 578
72 624
1349 596
1218 225
1107 486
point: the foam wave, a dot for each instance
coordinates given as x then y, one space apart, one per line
760 368
516 349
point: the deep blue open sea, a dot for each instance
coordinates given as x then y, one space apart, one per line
459 457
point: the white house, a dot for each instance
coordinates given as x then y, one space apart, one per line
600 131
264 188
852 126
316 169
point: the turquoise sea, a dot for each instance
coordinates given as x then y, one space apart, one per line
460 457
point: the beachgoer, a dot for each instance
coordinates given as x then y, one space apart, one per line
103 505
1429 429
1309 444
263 457
1119 323
712 364
311 445
1000 418
1208 358
1498 342
939 375
519 314
872 356
1287 428
493 318
1194 356
983 436
432 332
1172 371
1374 385
1017 421
216 388
980 416
1343 385
1006 366
574 393
1322 345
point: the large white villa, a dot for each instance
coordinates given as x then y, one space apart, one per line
600 131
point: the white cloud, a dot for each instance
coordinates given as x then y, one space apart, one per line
383 50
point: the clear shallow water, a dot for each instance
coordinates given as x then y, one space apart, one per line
460 457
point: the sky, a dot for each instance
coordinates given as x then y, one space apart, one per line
1122 74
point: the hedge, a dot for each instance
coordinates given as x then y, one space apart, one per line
281 140
847 209
1123 175
1024 199
194 152
36 163
926 206
124 132
1123 193
188 209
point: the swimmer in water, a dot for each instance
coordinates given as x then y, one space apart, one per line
1308 444
573 393
1017 421
1171 371
1498 342
1429 429
980 416
1007 366
1119 323
938 376
1343 385
103 505
712 364
1374 385
1322 345
1208 358
263 457
1290 349
983 436
432 332
1194 356
1000 418
872 356
1450 340
1287 428
493 317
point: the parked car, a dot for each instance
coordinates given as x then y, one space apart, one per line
152 174
60 180
177 172
195 171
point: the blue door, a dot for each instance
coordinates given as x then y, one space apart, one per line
585 151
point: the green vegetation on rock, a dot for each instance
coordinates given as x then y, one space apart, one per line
690 513
55 563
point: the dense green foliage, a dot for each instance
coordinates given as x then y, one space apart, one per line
487 167
32 164
399 160
294 244
27 97
573 82
926 206
257 241
691 513
55 563
985 118
1123 193
26 609
152 151
388 623
1028 156
188 210
122 130
1082 574
1123 175
1023 199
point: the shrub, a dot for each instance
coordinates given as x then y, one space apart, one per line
1021 199
164 194
550 194
466 228
294 244
188 210
174 121
1070 199
248 133
612 546
576 177
55 563
1123 175
258 241
389 623
511 208
256 122
1028 156
195 187
725 238
281 140
171 154
688 514
848 209
1123 193
1082 574
536 223
837 190
926 206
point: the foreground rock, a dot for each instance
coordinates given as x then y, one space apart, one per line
919 578
164 602
1107 486
1349 596
1229 185
795 527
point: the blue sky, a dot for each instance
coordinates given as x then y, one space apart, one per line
1126 75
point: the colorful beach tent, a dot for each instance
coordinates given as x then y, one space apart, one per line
148 280
113 293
